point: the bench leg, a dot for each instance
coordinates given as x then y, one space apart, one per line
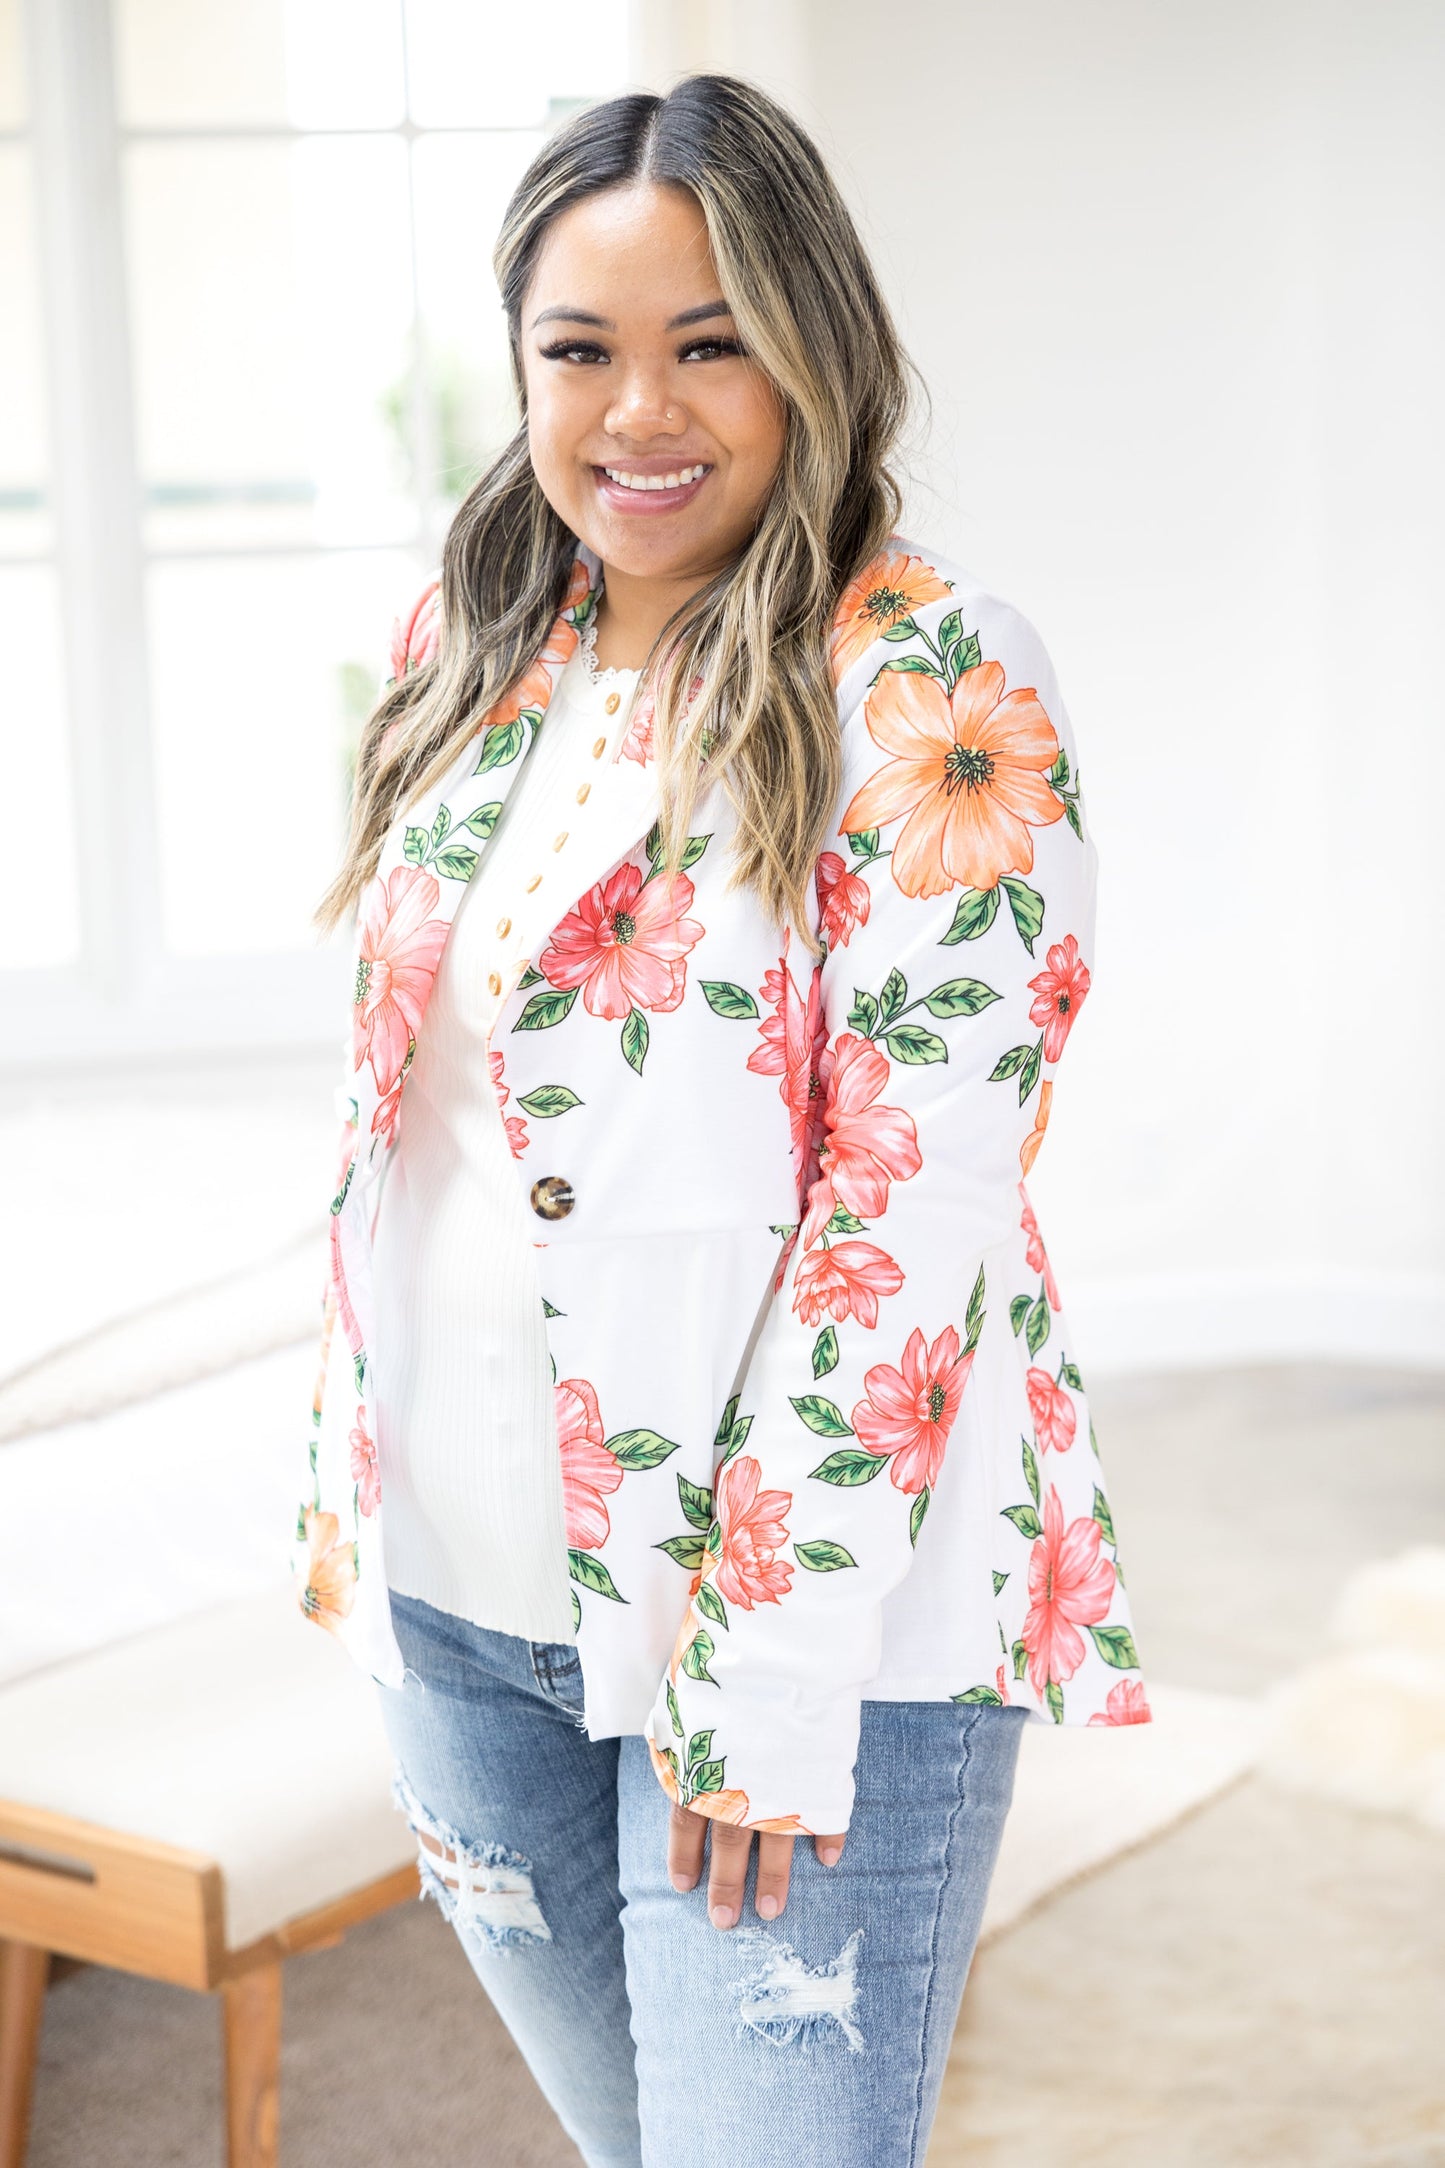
251 2008
24 1971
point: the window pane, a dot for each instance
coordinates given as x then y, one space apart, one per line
250 63
496 65
462 186
272 310
24 512
262 672
12 67
39 906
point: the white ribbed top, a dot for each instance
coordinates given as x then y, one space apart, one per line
466 1435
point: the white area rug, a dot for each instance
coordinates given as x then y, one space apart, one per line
1082 1796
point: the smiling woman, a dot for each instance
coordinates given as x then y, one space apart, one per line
695 1335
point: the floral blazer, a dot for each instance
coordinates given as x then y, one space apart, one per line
823 1430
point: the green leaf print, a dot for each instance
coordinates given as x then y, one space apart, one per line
591 1573
864 843
911 1043
984 1696
1054 1696
1038 1324
441 826
692 851
1031 1470
1020 1659
973 914
823 1557
905 629
1059 773
635 1036
821 1415
1103 1516
695 1656
1029 1074
968 654
549 1100
725 1426
1116 1645
849 1467
974 1314
960 997
843 1223
1025 1520
1069 1373
577 1611
711 1605
915 1518
640 1448
895 993
699 1746
708 1776
544 1010
1018 1310
685 1551
1009 1064
674 1714
531 976
1027 906
1071 815
501 744
825 1352
863 1016
739 1436
950 631
481 823
998 1581
413 847
456 862
726 999
696 1503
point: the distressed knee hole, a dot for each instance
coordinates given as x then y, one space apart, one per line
790 2002
482 1889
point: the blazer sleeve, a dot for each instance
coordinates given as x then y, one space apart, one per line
956 897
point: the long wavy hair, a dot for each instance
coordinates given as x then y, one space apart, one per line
809 310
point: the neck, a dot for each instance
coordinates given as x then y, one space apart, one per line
632 613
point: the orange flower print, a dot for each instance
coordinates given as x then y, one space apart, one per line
969 771
1070 1585
844 899
865 1146
328 1577
1127 1704
1059 992
844 1280
1002 1685
400 945
752 1530
795 1048
533 689
516 1127
365 1473
910 1411
414 639
1054 1414
589 1472
886 591
1029 1149
625 943
1038 1256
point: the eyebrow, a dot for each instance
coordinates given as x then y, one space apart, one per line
699 315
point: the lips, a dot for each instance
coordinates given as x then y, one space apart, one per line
643 490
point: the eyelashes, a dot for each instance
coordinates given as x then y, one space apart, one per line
587 350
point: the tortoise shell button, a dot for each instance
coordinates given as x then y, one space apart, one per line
553 1197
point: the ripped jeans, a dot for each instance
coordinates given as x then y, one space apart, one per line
815 2041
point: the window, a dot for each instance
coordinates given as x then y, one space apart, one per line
254 357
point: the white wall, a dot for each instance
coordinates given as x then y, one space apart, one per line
1175 277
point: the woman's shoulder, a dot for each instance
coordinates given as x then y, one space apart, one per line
918 608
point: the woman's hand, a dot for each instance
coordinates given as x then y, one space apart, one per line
727 1875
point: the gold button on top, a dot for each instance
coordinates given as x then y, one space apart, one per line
553 1197
612 703
504 927
582 794
494 982
599 748
560 841
536 877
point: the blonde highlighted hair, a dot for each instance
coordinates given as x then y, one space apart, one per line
809 310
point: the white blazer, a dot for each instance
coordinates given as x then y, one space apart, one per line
823 1430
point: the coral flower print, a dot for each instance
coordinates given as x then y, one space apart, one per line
364 1471
1038 1256
865 1146
1071 1584
795 1048
910 1411
1127 1704
1059 992
843 899
589 1472
533 689
752 1530
625 943
516 1127
1029 1149
414 638
328 1576
970 772
400 943
1052 1408
886 591
845 1281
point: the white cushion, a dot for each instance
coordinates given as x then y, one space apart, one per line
242 1732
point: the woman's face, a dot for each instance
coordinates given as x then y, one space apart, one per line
652 435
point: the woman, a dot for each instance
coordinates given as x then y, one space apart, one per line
725 906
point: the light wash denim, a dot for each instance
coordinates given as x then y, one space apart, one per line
817 2040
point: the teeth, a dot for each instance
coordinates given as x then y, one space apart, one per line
655 481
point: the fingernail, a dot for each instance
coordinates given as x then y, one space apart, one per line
768 1908
831 1855
722 1915
680 1881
